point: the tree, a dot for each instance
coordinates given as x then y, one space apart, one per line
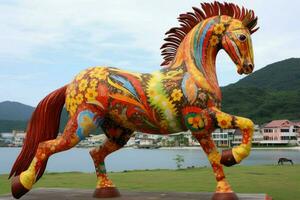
179 159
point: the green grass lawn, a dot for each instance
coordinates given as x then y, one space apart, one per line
281 182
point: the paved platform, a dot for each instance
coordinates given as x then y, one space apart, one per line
84 194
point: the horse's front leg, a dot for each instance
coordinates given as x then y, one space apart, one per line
227 121
223 190
202 123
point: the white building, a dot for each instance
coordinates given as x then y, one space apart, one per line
223 137
6 139
143 140
19 137
131 142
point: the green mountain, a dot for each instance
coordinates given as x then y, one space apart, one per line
14 116
10 110
272 92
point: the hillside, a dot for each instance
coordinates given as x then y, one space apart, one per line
10 110
9 125
272 92
282 75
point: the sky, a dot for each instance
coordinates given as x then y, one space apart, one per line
44 44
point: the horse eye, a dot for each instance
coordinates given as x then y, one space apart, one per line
242 37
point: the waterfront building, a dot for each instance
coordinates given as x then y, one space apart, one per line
280 132
131 142
298 132
19 137
6 139
223 137
143 140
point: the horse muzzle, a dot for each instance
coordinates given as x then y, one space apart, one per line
246 68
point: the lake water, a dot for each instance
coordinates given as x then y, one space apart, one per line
78 159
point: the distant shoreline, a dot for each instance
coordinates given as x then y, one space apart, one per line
254 148
198 147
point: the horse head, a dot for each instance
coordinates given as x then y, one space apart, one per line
236 41
205 31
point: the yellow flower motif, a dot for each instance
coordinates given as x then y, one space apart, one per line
79 99
176 95
71 87
244 123
91 94
72 106
219 28
196 122
82 85
93 82
68 102
99 72
214 40
73 93
224 120
80 75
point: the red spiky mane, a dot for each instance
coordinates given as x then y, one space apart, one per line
190 19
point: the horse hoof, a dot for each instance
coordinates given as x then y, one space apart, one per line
227 158
107 192
224 196
17 189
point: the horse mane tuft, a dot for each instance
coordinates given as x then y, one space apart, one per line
190 19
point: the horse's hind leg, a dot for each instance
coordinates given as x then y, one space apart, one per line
105 187
73 133
223 190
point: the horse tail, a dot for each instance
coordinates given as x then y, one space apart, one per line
43 126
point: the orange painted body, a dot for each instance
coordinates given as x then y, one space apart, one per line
184 95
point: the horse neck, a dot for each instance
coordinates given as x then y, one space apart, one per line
199 57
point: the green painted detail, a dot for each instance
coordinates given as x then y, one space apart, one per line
101 168
194 122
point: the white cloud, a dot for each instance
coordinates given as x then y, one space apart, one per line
31 25
131 31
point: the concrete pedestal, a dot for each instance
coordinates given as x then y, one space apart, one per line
84 194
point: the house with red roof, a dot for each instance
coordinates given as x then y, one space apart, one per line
280 132
298 132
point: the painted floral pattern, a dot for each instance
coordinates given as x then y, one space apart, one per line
183 96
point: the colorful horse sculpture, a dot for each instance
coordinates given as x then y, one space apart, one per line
183 95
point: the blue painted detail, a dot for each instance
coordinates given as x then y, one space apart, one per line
80 119
197 56
198 46
79 133
125 84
